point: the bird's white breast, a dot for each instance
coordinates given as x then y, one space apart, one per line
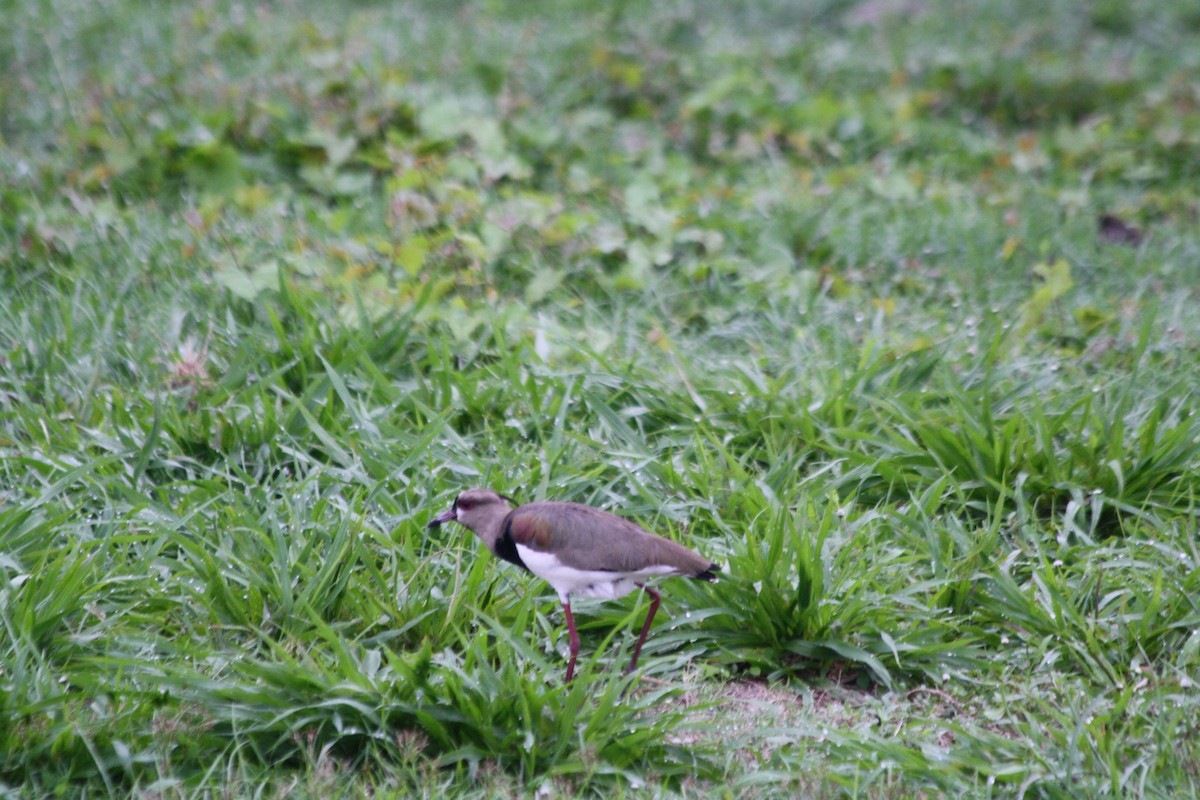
568 580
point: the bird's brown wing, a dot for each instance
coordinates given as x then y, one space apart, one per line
588 538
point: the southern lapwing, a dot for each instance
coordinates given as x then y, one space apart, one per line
577 549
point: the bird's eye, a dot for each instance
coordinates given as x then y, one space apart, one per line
463 503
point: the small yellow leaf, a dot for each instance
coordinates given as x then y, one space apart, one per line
656 336
410 255
627 73
1092 319
1057 277
1057 282
918 344
252 198
1010 246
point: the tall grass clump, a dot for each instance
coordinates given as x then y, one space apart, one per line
1116 453
813 589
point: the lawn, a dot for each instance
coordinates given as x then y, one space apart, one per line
891 307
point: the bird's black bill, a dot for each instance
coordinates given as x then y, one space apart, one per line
445 516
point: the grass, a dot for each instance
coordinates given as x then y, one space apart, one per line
823 290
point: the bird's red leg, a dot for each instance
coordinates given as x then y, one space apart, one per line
573 641
637 651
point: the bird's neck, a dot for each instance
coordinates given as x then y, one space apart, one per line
489 528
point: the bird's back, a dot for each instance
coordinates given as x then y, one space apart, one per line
588 538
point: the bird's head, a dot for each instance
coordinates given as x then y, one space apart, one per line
476 509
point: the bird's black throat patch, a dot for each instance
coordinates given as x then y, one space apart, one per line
506 546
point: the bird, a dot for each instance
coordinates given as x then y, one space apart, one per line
580 550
